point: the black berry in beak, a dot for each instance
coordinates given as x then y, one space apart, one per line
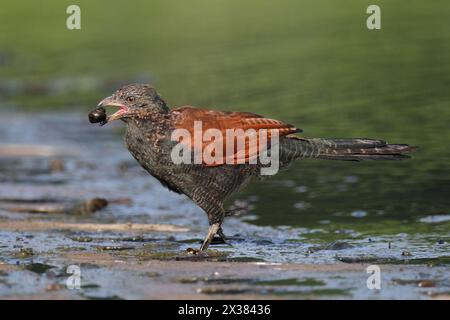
98 115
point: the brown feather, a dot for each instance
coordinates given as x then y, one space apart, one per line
223 121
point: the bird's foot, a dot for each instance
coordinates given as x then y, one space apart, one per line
222 238
222 235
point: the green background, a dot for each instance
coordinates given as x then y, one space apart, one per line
311 63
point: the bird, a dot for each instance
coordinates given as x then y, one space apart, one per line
150 125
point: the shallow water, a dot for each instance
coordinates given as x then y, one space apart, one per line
333 225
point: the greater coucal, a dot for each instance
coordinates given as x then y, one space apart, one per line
150 124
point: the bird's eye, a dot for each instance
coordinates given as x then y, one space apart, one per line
130 99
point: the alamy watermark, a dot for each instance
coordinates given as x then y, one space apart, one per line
73 21
73 282
373 22
374 280
214 147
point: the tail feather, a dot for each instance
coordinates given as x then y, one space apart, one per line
353 149
340 143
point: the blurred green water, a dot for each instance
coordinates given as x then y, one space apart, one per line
312 63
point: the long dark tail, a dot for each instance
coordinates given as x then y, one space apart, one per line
353 149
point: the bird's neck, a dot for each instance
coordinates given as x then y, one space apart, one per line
148 120
151 128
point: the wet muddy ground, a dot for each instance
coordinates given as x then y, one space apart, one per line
70 195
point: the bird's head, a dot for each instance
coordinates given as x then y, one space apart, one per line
134 101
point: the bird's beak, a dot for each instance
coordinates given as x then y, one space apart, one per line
111 102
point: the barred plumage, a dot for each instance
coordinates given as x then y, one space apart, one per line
150 124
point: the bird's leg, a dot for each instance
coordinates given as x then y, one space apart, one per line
214 209
222 235
213 229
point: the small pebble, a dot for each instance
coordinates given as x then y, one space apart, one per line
427 284
56 166
192 251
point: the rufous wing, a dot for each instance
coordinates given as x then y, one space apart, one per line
253 131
